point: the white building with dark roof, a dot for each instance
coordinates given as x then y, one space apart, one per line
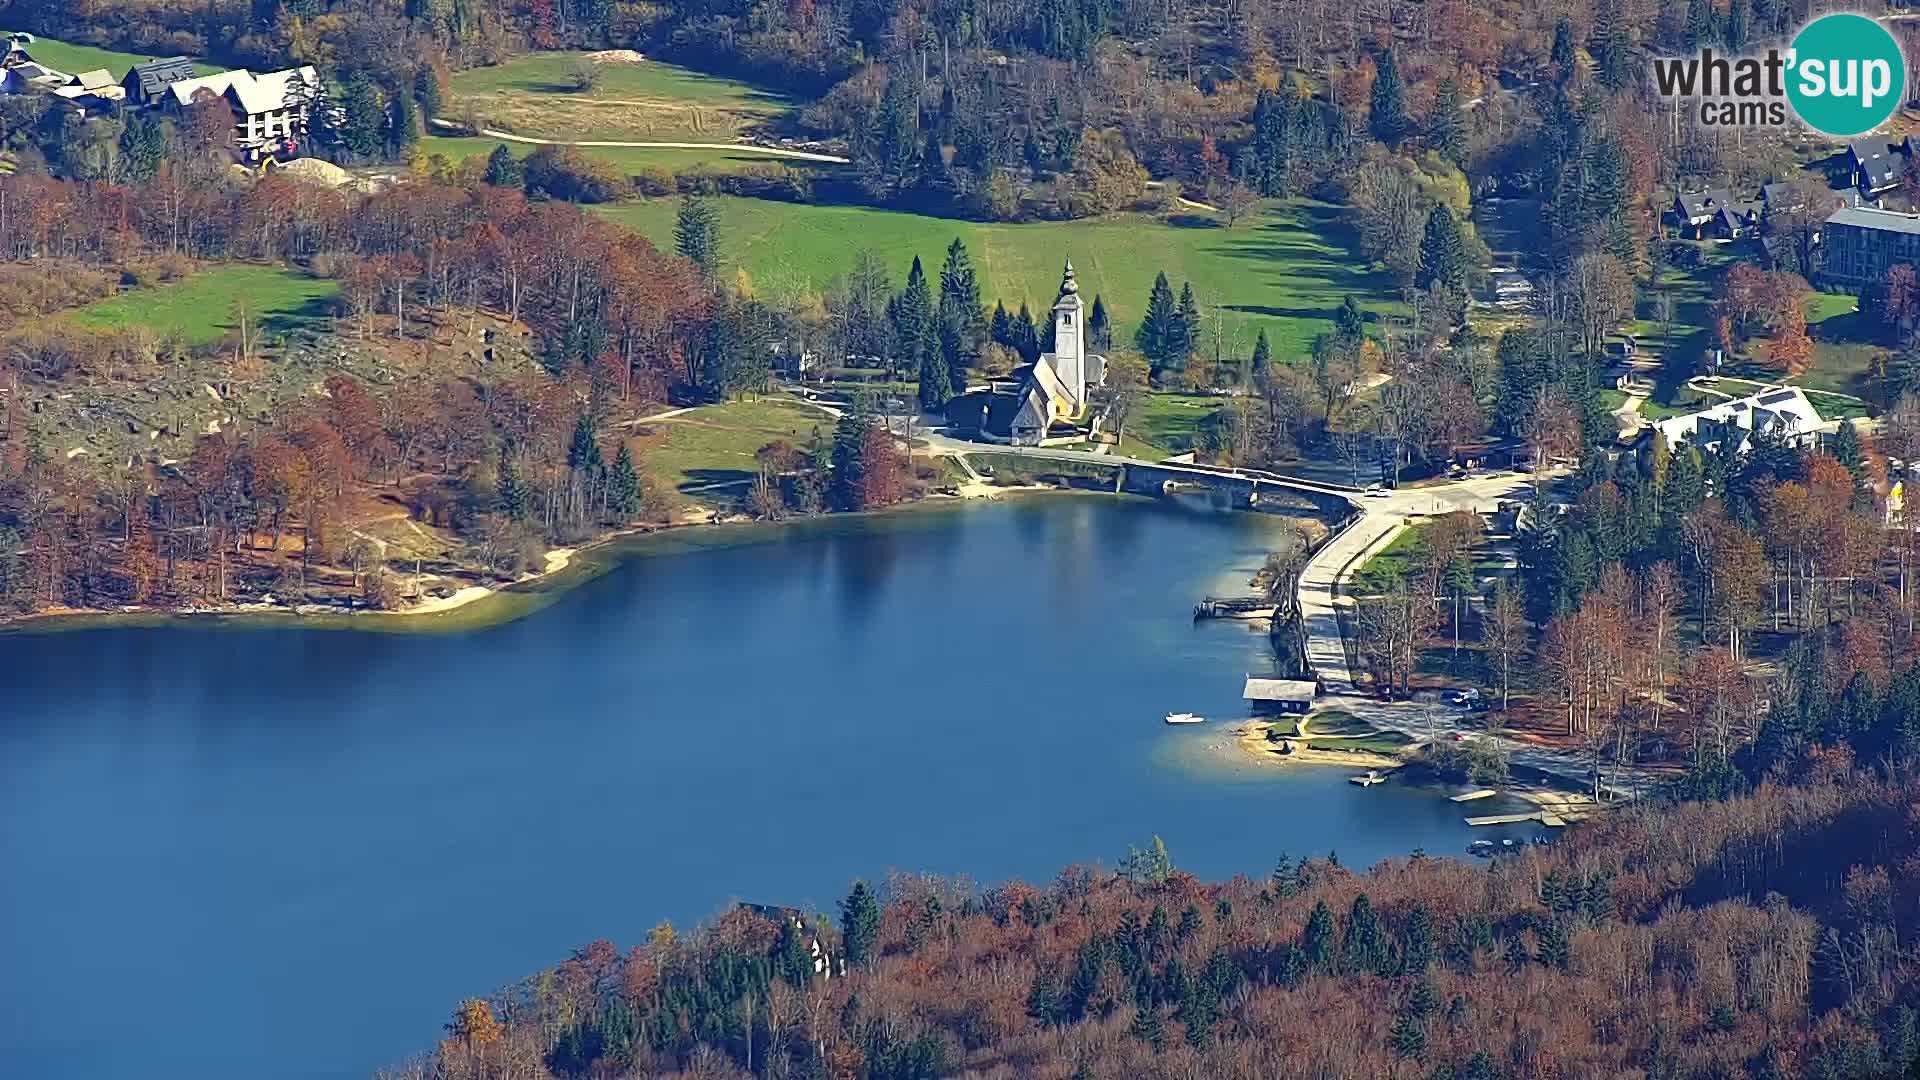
1780 411
1053 392
269 111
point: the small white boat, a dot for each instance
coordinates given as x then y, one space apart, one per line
1371 778
1184 718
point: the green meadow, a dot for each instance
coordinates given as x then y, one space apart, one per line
1285 270
73 59
634 102
203 308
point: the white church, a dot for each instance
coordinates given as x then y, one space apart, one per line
1047 399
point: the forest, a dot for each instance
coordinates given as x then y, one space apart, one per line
1766 935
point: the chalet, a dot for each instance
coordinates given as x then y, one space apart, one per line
1781 198
777 914
145 85
1280 695
1047 399
1873 165
1782 412
270 111
1860 244
1694 211
1735 220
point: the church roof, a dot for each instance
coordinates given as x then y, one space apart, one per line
1069 289
1048 380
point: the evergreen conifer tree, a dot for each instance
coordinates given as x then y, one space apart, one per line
696 235
1159 335
503 169
1099 331
1262 354
363 121
1388 118
1443 253
1349 322
961 327
1447 124
625 490
514 498
1187 340
859 924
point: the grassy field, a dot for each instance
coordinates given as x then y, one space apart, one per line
715 444
534 95
628 159
73 59
1286 270
1395 560
201 309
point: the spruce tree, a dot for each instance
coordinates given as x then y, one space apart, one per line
1561 55
1148 1027
1188 340
859 924
1443 253
1001 326
583 455
1389 116
363 121
961 327
1262 354
514 498
503 169
403 130
624 485
143 146
847 487
1349 321
1409 1038
1159 335
1099 331
1316 940
1026 339
696 235
426 91
1611 47
1447 124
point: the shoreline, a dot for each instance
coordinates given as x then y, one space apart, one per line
566 568
1251 738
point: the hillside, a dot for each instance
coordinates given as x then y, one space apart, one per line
1769 936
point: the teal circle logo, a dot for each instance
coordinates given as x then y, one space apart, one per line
1845 74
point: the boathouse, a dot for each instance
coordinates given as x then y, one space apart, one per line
1280 695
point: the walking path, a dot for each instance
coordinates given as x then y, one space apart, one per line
744 148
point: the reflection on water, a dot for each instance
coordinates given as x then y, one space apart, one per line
327 839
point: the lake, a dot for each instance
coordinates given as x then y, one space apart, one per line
242 852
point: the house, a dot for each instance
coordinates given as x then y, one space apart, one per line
1873 166
1049 396
1694 211
20 73
1861 243
1781 198
777 914
1280 695
1735 220
145 85
270 111
1780 411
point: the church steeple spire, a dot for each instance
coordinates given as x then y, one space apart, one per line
1068 286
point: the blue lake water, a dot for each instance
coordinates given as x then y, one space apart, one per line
289 852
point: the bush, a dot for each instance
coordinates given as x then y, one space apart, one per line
563 172
655 181
1474 761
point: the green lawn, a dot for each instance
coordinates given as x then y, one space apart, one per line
628 159
73 59
1170 423
1394 560
534 95
1285 270
715 444
201 309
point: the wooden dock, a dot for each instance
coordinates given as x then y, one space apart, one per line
1470 796
1233 607
1544 817
1504 819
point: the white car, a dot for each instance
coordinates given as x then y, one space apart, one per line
1375 491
